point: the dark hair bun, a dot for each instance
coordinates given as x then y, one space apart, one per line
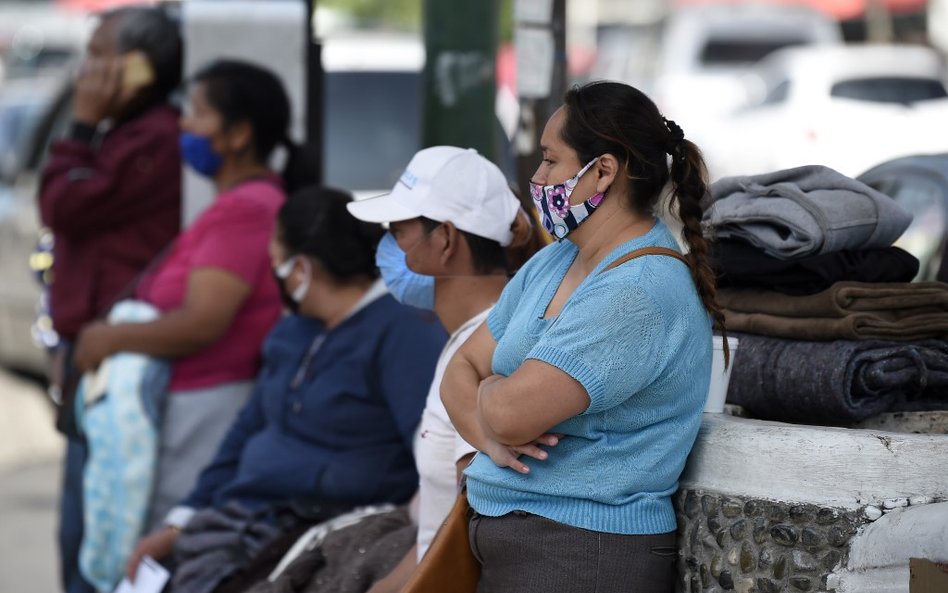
315 222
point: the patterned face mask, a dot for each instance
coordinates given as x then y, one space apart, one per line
552 204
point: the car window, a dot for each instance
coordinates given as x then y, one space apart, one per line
926 199
372 127
17 122
890 89
55 126
777 94
29 64
734 52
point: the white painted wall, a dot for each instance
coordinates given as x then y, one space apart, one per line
892 477
837 467
880 553
271 33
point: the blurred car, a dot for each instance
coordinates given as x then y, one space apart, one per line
32 111
919 183
706 49
371 109
847 107
38 38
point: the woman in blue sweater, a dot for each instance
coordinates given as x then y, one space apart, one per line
599 348
334 410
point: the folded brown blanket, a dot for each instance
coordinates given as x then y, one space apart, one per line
847 310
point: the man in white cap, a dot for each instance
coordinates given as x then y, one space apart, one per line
451 216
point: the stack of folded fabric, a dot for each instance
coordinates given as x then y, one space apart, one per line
831 331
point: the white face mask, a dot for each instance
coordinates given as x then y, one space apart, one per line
283 272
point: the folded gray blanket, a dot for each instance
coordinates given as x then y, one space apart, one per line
803 211
837 383
350 559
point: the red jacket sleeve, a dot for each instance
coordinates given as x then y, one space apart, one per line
85 190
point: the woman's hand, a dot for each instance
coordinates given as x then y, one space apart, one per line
98 90
96 342
507 456
158 545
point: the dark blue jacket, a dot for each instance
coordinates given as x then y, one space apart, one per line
344 434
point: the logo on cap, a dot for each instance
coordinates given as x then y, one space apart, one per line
408 179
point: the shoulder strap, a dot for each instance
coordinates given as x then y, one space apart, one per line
646 251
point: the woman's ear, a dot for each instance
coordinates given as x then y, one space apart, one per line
239 137
607 168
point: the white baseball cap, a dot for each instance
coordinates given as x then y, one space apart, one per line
448 184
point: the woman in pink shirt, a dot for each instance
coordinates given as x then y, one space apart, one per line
214 286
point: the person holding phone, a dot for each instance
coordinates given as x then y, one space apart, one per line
214 287
111 195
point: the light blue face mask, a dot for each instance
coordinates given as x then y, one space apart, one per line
408 288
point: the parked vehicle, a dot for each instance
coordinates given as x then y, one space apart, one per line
32 112
847 107
372 110
920 184
707 50
693 62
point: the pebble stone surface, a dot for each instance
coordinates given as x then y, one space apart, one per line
729 543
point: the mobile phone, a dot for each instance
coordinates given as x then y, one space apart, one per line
137 72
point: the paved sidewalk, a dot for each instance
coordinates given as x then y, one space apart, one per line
28 500
30 453
27 435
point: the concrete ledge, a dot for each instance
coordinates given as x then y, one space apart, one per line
915 532
838 467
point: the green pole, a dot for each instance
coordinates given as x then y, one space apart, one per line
459 77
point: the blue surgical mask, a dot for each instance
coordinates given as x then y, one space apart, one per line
408 288
198 153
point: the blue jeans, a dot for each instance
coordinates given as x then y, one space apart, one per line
70 518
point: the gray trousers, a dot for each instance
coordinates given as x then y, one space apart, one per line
193 425
524 553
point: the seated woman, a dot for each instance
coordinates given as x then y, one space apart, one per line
461 243
213 286
335 408
603 337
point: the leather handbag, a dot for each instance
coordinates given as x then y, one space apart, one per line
449 565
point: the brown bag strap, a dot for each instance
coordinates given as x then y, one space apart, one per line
646 251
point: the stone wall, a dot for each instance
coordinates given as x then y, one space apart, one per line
854 506
750 545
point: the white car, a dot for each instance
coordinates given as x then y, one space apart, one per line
706 50
848 108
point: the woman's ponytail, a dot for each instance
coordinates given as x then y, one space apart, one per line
299 170
614 118
689 184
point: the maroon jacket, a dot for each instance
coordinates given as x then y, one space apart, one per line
112 208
